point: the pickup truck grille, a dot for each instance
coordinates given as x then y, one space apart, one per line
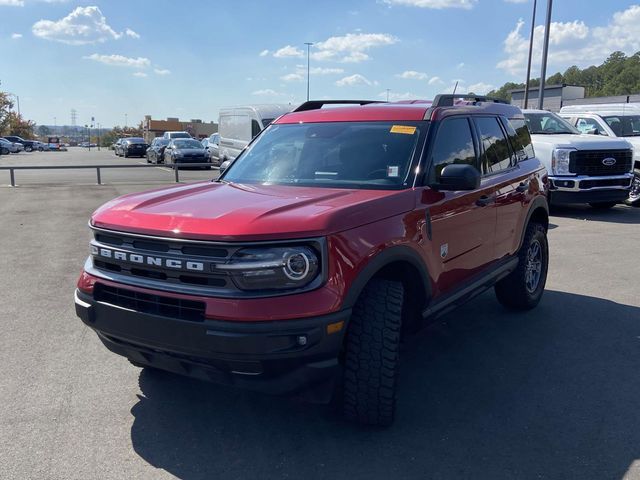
589 162
173 265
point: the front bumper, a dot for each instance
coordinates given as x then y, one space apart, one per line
586 189
278 357
202 159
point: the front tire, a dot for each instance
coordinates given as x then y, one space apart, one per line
28 149
372 349
522 289
634 194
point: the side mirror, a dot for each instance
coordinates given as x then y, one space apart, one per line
459 177
593 131
224 165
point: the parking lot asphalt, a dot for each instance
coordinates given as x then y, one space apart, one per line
484 393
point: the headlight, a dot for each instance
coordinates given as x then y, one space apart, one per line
177 154
276 268
560 161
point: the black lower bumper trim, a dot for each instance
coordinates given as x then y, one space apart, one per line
559 197
276 357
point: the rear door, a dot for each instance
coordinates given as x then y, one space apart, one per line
500 168
460 225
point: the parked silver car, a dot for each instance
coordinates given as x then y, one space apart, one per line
212 146
13 147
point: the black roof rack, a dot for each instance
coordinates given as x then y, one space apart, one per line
317 104
447 99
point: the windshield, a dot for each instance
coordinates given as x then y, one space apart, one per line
624 126
344 155
548 123
187 144
135 140
179 135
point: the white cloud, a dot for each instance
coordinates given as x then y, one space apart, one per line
16 36
352 47
325 71
412 75
435 4
288 52
120 60
130 33
11 3
354 80
481 88
161 71
140 74
573 43
267 92
292 77
517 1
436 81
84 25
264 53
460 66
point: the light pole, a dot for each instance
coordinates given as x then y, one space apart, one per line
98 137
545 53
125 120
308 44
533 27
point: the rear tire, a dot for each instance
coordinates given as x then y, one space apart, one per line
522 289
28 149
372 349
634 194
603 205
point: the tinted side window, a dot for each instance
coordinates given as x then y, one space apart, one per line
453 144
495 155
520 139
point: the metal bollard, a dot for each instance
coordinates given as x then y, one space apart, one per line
175 169
98 175
13 178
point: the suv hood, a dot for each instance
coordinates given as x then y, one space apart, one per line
581 142
232 212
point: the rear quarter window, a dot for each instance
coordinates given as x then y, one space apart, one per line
520 138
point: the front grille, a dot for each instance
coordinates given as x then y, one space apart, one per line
205 254
589 162
190 310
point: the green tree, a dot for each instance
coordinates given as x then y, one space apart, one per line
44 131
6 105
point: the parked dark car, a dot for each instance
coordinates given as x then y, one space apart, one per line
27 144
155 152
5 146
131 147
185 150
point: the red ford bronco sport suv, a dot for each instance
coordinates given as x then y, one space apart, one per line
336 232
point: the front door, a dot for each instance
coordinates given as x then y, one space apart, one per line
460 226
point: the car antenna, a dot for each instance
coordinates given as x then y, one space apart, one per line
455 88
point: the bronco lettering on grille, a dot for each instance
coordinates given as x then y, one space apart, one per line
147 259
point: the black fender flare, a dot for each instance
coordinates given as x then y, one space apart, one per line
538 202
388 256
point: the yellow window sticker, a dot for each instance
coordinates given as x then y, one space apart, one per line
406 129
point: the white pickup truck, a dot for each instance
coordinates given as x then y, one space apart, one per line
582 168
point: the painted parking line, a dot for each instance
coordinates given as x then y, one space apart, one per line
165 169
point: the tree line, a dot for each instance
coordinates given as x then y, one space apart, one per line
618 75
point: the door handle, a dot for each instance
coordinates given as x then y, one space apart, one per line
485 200
523 187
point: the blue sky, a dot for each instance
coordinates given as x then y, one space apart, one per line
188 58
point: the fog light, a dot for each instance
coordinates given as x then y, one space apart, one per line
302 340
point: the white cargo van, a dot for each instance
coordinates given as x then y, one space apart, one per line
611 120
238 125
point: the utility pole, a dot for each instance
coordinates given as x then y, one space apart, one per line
533 27
545 53
308 44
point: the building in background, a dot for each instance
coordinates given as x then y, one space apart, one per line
555 96
196 127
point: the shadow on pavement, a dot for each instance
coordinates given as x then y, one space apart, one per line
485 393
617 214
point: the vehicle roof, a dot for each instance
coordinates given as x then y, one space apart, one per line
536 110
603 108
270 110
408 110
